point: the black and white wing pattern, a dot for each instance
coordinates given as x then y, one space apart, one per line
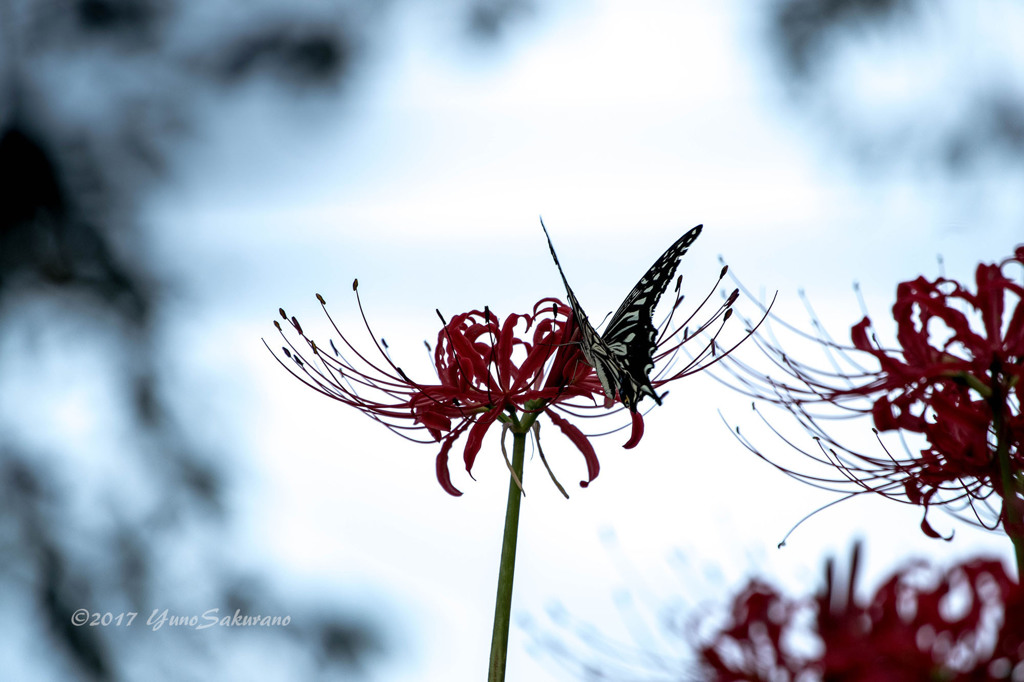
623 356
597 354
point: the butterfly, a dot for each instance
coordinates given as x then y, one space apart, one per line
623 356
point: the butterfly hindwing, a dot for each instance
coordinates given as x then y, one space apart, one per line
623 356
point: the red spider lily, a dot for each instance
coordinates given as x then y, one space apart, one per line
966 623
488 370
955 378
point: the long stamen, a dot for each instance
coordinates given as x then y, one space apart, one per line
540 451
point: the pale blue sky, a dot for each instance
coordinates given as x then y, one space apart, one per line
624 125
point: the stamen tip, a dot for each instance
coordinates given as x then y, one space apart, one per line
355 284
321 299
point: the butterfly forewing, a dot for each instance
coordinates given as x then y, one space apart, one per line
630 334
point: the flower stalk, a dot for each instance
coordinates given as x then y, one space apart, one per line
507 565
1013 518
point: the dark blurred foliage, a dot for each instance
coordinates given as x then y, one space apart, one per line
92 93
487 19
804 29
967 118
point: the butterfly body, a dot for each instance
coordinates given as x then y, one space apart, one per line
623 356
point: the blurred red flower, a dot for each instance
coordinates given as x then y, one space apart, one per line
966 623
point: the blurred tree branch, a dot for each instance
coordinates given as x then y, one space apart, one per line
92 94
904 82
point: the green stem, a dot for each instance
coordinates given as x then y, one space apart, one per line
1013 519
506 571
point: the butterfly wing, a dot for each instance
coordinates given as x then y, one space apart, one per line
630 335
598 355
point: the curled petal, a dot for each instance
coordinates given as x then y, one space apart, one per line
443 477
434 421
859 335
506 344
928 530
637 432
581 442
476 436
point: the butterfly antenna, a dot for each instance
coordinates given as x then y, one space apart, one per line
551 248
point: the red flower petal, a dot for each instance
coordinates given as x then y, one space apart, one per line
441 464
581 442
859 335
476 436
637 432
